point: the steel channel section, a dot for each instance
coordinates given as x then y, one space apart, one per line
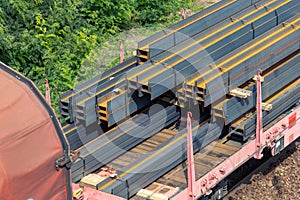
244 71
151 169
86 134
214 29
265 59
236 80
79 102
108 84
265 39
89 99
137 162
94 82
112 134
125 138
177 136
84 105
128 127
227 29
178 76
97 80
93 161
191 48
290 96
173 77
92 117
198 26
261 60
139 180
270 14
115 149
235 107
160 35
124 105
171 118
279 11
190 59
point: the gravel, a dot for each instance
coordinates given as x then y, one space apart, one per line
280 181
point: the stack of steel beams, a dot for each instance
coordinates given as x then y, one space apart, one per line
233 69
84 105
281 101
151 166
283 72
197 63
128 134
78 135
193 25
68 99
194 56
172 70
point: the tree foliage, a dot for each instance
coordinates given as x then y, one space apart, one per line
52 38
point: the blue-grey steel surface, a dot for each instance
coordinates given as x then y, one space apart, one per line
235 107
153 167
112 144
180 24
94 82
94 85
192 58
282 103
90 119
196 27
125 105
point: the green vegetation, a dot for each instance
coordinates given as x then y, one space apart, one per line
53 38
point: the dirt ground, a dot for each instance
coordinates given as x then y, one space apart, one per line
282 181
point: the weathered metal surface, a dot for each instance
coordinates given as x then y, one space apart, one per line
189 31
92 85
117 141
284 73
282 100
191 62
151 166
190 20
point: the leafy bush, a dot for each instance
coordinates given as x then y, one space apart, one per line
53 38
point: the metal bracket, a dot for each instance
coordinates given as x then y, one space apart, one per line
241 93
62 162
67 161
